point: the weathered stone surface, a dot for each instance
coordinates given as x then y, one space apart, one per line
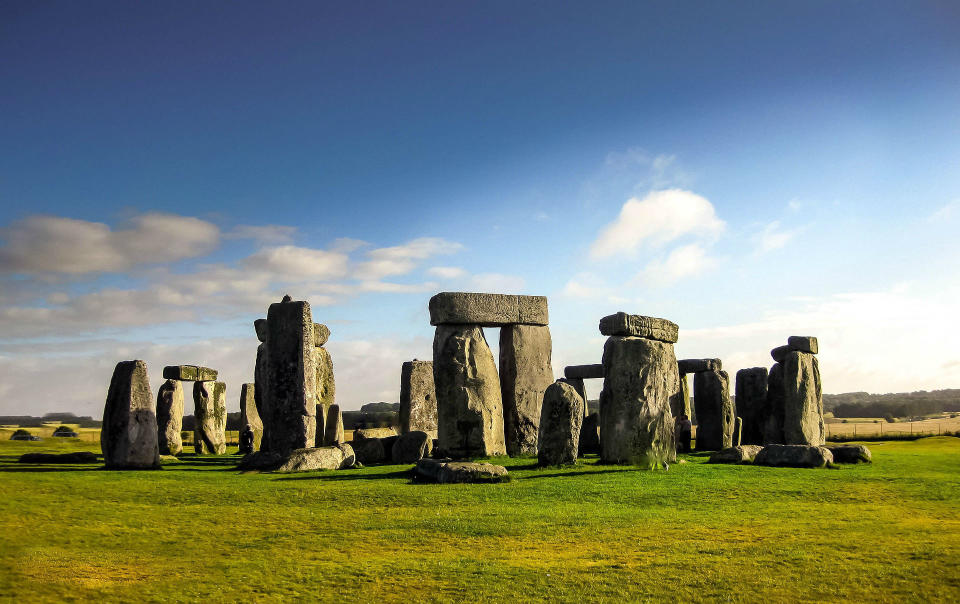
210 417
737 432
850 454
803 344
249 415
128 437
369 451
525 373
640 383
333 429
170 417
802 400
189 373
411 447
300 460
418 398
449 471
260 326
583 372
794 456
740 454
590 435
581 389
779 353
321 429
751 393
697 365
715 412
622 324
291 395
560 422
469 407
773 423
261 385
373 433
326 385
680 405
487 310
321 333
76 457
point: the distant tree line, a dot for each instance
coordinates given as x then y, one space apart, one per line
30 421
905 404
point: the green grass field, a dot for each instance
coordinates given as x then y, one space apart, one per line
198 529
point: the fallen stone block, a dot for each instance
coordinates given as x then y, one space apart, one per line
300 460
698 365
622 324
77 457
794 456
487 310
583 372
850 454
803 344
369 451
189 373
373 433
448 471
741 454
411 447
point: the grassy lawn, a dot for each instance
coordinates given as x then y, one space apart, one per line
198 529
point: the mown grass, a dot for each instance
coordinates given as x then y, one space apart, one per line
198 529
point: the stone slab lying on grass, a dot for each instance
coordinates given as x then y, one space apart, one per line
301 460
741 454
794 456
369 450
850 454
622 324
803 344
411 447
583 372
77 457
697 365
449 471
487 310
373 433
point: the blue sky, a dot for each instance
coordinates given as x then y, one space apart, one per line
749 170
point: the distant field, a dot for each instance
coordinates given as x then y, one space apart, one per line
878 426
198 529
92 435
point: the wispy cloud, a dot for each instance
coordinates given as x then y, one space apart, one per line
773 237
269 234
682 262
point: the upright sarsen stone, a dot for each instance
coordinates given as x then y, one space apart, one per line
128 437
249 414
751 394
333 427
291 395
418 398
773 424
680 405
640 384
469 408
715 412
210 417
560 420
802 400
525 373
326 386
170 417
260 387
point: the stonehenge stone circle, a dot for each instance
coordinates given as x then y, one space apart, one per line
333 429
290 398
210 417
641 381
583 372
170 417
751 396
128 437
249 415
411 447
802 400
560 422
525 373
418 398
697 365
622 324
715 412
189 373
469 407
487 310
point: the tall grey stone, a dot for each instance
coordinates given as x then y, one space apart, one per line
260 326
560 420
249 414
581 389
773 424
326 386
802 400
260 387
751 394
525 373
291 395
170 417
469 407
128 437
640 384
590 434
418 398
210 417
680 405
333 429
736 441
715 412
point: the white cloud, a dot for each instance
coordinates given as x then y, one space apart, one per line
946 212
269 234
772 237
54 244
302 262
402 259
446 272
497 283
657 219
682 262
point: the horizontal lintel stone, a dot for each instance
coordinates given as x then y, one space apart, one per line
803 344
487 310
779 353
622 324
321 333
698 365
583 372
189 373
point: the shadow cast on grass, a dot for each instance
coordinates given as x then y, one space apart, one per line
342 475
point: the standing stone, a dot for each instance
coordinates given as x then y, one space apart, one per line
525 373
715 413
326 386
418 398
640 384
560 420
581 389
210 417
469 408
737 432
333 431
291 396
773 425
249 415
751 397
802 400
260 326
590 434
170 417
680 405
128 437
260 387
